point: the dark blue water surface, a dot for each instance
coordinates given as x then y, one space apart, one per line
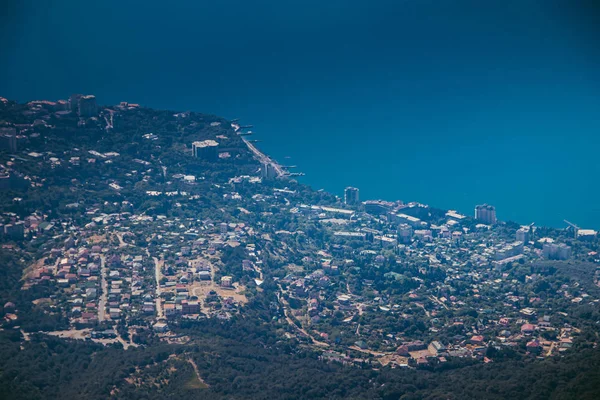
446 102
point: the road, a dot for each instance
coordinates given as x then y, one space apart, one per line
292 323
372 352
158 264
196 371
549 353
433 298
125 343
262 158
121 241
109 124
104 286
424 309
56 264
260 273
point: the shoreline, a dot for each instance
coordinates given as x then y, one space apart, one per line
282 173
264 159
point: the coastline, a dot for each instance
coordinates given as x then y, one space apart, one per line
281 172
264 159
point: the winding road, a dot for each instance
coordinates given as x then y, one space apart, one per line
292 323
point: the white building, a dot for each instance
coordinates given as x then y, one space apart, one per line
553 251
408 219
226 281
223 227
405 233
486 214
268 171
206 150
424 234
351 235
455 216
523 234
351 195
586 234
509 250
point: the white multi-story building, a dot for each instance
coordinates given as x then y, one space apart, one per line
226 281
553 251
486 214
405 233
206 149
351 195
523 234
268 171
509 250
223 227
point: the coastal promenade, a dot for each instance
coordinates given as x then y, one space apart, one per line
264 159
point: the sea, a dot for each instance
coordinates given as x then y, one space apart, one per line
450 103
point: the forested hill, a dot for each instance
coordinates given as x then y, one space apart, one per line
66 158
48 368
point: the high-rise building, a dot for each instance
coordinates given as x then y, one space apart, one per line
15 231
74 102
223 227
8 139
268 171
206 150
486 214
405 233
87 106
351 195
84 105
523 234
553 251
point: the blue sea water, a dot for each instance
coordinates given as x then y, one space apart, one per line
447 102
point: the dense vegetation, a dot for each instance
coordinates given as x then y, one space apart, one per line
52 368
242 358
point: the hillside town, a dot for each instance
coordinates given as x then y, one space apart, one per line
133 237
